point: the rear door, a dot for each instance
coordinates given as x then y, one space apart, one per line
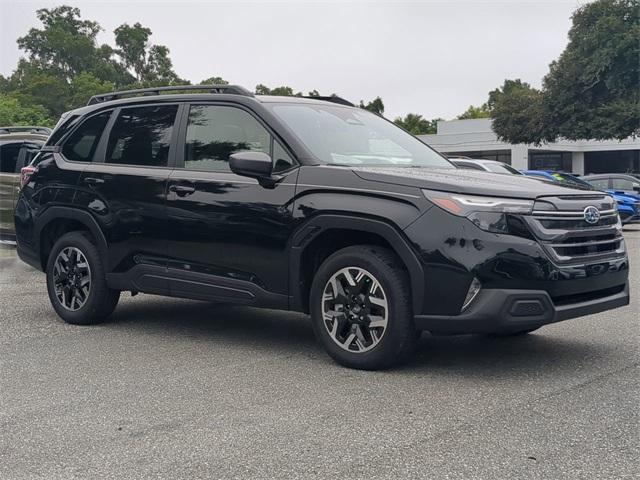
10 154
124 188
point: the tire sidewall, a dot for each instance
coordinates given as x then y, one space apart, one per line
399 315
98 283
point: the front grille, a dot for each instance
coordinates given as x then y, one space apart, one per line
559 224
575 224
587 246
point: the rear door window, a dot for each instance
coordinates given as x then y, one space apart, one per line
142 136
623 184
9 154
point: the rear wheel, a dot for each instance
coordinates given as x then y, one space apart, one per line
76 281
361 308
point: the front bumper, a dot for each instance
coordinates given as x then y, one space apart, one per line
503 311
523 284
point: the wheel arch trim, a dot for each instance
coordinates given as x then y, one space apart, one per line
323 222
54 213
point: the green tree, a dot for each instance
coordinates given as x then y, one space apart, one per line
376 106
283 91
517 112
66 45
591 92
12 112
475 112
84 86
417 125
214 81
147 62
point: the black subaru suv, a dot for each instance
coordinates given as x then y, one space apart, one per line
310 205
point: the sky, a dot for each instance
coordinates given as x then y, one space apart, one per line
434 58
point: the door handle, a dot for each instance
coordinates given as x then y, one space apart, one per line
93 181
181 190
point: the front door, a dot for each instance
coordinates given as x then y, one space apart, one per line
225 229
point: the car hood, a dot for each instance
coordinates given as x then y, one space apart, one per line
471 182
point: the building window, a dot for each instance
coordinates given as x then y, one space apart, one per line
553 161
625 161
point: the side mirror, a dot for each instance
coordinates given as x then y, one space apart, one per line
251 164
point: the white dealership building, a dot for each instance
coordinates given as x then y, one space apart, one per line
475 138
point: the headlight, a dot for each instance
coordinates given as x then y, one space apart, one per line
492 214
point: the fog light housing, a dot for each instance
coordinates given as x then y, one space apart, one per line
474 290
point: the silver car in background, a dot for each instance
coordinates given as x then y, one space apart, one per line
18 146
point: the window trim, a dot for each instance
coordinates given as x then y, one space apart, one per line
182 139
101 151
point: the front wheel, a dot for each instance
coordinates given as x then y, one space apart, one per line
361 308
76 281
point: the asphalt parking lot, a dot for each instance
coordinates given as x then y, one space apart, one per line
182 390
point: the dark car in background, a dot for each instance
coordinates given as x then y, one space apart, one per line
18 146
626 184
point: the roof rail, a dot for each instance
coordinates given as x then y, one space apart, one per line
331 98
233 89
26 128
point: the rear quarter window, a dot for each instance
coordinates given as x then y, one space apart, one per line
82 143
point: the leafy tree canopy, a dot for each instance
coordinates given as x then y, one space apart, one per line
214 81
147 62
12 112
516 109
64 65
376 106
417 125
283 91
591 92
475 112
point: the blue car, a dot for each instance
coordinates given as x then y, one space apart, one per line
628 205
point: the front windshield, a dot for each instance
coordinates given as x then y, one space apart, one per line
350 136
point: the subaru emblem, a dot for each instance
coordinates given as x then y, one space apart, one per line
591 215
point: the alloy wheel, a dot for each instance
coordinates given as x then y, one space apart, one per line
72 278
355 309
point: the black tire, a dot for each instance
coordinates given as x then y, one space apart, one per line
100 301
398 342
